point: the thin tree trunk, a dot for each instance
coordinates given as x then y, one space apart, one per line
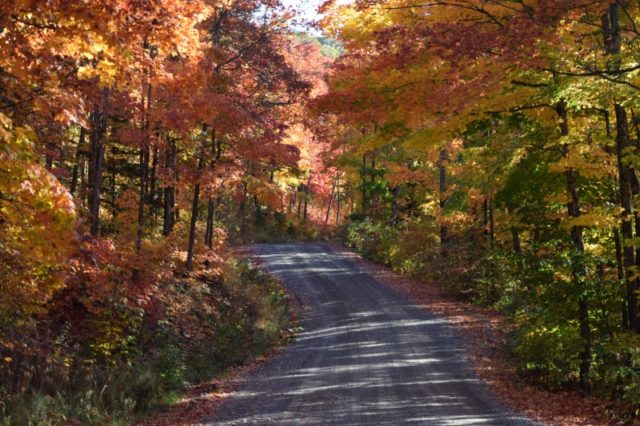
621 276
607 122
98 142
76 163
372 193
48 158
211 205
83 183
211 217
515 236
626 202
169 190
194 205
474 233
307 189
113 182
364 184
243 214
193 223
627 177
144 166
442 188
153 181
143 157
333 191
573 209
338 200
492 222
485 218
209 222
394 205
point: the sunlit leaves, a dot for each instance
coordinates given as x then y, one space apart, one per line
37 217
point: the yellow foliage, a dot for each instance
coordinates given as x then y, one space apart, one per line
37 216
592 219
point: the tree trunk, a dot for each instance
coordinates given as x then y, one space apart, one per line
626 175
394 204
307 189
515 236
113 182
492 222
621 276
194 205
626 202
578 272
153 200
169 191
83 183
442 189
333 191
143 157
338 200
243 208
364 184
372 193
292 199
211 218
211 205
144 165
98 142
176 193
485 218
76 163
48 157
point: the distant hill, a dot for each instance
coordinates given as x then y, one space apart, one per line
328 46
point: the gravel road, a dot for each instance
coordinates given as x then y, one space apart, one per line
366 356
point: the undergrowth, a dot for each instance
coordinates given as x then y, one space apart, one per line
213 323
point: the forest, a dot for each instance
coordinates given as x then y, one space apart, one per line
484 146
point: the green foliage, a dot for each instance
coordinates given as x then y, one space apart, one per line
407 250
372 240
534 288
329 47
276 227
96 395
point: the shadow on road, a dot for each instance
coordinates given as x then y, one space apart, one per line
367 355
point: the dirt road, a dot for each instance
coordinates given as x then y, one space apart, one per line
366 356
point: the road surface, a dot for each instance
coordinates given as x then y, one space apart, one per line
366 356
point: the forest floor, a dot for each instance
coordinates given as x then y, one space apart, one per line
484 331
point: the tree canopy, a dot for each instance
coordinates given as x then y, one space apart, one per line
490 146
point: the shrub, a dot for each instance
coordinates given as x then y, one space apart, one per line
208 324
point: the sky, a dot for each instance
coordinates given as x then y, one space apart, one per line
307 9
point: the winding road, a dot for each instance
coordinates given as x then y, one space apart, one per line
366 356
